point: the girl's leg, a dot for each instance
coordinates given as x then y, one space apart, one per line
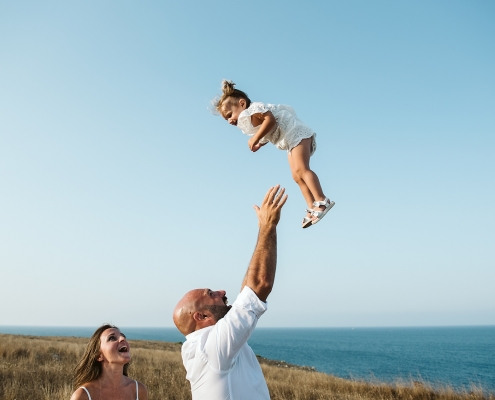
306 179
302 185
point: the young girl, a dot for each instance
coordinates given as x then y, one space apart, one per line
279 125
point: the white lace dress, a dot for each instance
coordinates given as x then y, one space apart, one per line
288 132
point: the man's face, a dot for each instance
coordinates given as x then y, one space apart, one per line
215 302
200 308
218 312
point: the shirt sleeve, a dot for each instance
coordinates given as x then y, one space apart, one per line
244 123
232 331
257 108
244 119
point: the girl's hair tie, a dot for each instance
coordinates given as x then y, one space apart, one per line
228 87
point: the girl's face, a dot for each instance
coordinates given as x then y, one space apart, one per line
231 110
114 347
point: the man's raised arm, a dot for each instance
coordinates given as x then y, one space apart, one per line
260 275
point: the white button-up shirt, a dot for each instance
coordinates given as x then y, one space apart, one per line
220 364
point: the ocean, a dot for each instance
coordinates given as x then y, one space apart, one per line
455 356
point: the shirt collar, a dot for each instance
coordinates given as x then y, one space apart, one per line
199 332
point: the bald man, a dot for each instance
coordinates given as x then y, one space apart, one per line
219 362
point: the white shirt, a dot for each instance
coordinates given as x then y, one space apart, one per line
220 364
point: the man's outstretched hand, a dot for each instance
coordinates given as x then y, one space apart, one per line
260 275
269 212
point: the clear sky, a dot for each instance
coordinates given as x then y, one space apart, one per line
120 191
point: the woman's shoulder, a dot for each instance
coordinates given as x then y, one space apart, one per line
79 394
142 391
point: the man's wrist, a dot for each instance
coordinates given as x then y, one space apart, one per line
267 234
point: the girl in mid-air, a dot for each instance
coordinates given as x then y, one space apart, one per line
279 125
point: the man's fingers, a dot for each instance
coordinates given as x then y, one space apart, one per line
267 196
275 196
282 201
279 195
272 192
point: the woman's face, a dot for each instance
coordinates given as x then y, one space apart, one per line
114 347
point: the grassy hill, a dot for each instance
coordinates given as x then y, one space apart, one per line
34 367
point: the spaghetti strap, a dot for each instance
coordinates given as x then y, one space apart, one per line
86 390
89 396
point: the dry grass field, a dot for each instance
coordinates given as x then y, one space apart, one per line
34 368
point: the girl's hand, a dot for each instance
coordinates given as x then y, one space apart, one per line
265 122
253 145
258 146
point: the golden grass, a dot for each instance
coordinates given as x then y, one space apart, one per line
41 368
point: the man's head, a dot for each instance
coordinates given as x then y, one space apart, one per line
200 308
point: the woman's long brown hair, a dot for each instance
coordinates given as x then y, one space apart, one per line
89 368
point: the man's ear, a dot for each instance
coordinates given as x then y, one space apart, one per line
199 316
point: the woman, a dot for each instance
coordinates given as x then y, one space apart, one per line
102 372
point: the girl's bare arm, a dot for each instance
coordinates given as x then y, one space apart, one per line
266 123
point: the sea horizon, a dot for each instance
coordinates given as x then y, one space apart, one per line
262 327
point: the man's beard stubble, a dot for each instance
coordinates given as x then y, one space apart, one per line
218 311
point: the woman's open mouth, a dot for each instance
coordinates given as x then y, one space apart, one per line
123 349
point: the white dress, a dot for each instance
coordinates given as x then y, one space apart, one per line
288 132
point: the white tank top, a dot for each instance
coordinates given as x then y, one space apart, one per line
89 396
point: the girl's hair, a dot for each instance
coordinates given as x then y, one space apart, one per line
230 95
89 368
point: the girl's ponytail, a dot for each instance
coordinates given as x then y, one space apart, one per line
228 87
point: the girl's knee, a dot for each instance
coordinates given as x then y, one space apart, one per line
300 171
297 178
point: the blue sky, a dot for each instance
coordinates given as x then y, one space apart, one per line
120 190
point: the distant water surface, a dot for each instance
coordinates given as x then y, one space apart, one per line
457 356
